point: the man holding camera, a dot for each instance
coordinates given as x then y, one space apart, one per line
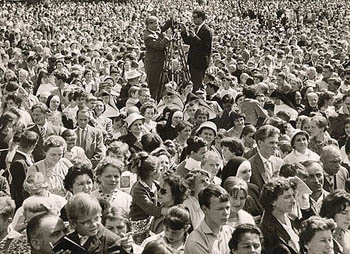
156 43
200 41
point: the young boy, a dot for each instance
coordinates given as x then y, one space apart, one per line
84 213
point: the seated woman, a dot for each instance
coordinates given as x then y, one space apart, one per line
316 236
336 206
299 142
108 174
246 237
197 180
238 190
144 195
172 192
54 167
35 185
79 178
176 225
280 232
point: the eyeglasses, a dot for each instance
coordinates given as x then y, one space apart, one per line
163 191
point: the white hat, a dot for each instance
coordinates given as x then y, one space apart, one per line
132 118
209 125
132 74
297 132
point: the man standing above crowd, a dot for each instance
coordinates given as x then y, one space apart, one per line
200 41
156 43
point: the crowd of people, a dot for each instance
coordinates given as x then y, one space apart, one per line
111 143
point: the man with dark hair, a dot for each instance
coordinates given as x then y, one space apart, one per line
43 128
21 161
246 238
88 137
212 235
200 41
44 230
264 164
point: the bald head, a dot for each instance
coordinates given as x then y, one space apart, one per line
331 159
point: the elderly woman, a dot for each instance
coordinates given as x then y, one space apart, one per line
197 180
135 131
319 135
108 174
172 192
316 236
54 167
299 142
280 232
238 190
336 206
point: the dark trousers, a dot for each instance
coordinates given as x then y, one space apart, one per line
153 71
197 76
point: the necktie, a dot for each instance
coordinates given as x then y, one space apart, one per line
269 171
82 138
42 132
331 182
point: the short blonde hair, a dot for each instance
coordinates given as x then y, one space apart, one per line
81 205
37 204
35 182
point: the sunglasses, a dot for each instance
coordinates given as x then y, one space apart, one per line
163 191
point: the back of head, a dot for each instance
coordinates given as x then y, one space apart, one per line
81 205
155 247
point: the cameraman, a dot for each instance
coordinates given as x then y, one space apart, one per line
200 40
155 42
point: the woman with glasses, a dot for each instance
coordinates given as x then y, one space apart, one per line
172 192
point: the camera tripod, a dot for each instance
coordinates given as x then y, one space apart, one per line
168 73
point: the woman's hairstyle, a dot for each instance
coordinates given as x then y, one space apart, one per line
235 145
53 142
273 189
312 225
177 218
156 247
117 214
325 96
35 183
151 141
177 185
74 172
194 144
143 164
240 231
7 207
233 185
247 130
182 125
191 178
146 106
320 121
334 203
161 151
17 100
109 162
117 147
104 106
82 205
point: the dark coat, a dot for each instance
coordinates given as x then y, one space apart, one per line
276 238
134 145
18 171
104 242
199 53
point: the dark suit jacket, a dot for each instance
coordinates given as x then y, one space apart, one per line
18 171
38 153
259 176
94 146
134 145
200 47
276 238
340 181
103 242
